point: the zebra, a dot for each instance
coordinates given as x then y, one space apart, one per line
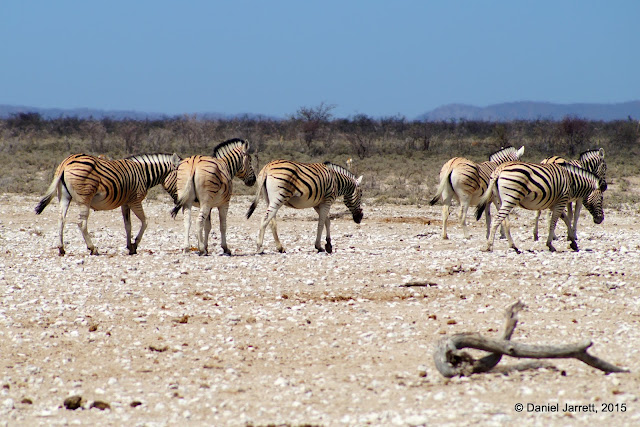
591 160
466 181
536 187
102 184
305 185
206 182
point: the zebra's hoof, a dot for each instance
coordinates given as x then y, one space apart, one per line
61 251
574 246
226 252
94 251
329 248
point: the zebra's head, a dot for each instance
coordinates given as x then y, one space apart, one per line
354 200
236 152
593 202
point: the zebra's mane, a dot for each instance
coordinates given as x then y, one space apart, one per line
340 169
592 154
582 172
151 158
502 153
226 146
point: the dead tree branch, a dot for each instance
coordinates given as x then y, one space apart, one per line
450 361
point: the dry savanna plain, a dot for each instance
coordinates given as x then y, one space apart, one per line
166 338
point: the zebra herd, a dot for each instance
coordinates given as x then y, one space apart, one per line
553 184
206 182
202 181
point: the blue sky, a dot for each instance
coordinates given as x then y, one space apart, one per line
380 58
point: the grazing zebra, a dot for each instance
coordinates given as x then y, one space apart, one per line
591 160
102 184
466 181
206 181
305 185
537 187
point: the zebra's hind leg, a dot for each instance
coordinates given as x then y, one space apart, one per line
464 206
186 219
274 231
222 214
82 224
536 220
203 217
139 213
64 207
269 219
445 218
323 222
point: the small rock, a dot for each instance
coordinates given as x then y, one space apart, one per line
135 403
73 402
100 405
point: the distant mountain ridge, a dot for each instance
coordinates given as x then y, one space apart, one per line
7 111
522 110
529 110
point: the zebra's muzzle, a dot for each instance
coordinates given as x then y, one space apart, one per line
357 216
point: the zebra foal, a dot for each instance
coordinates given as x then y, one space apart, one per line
206 182
102 184
466 181
305 185
538 187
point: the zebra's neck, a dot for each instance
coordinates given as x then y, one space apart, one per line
155 167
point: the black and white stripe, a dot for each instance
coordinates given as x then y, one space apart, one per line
466 181
206 182
305 185
592 161
103 184
538 187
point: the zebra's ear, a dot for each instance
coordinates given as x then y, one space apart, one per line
359 180
175 159
520 152
601 151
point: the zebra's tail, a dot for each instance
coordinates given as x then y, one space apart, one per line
485 198
186 195
445 180
51 191
262 179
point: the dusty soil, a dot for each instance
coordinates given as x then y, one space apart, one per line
167 338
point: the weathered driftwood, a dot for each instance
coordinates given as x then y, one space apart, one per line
451 361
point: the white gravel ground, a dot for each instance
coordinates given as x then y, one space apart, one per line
167 338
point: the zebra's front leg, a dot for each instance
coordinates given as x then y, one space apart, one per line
64 207
82 224
557 211
222 214
137 210
323 222
576 215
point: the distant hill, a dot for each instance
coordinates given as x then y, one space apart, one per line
7 111
527 110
